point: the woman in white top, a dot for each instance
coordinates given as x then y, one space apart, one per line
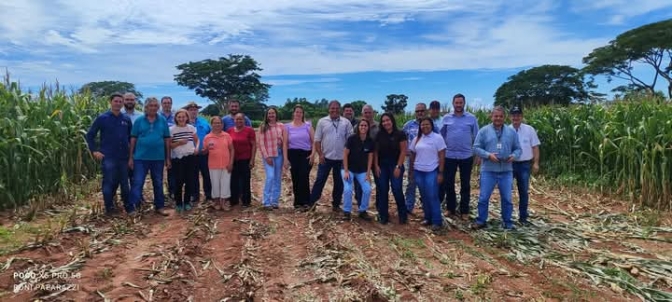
426 168
183 157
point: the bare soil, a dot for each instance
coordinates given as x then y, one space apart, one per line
285 255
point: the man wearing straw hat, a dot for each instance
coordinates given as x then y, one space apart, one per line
202 129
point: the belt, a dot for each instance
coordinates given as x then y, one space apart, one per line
523 161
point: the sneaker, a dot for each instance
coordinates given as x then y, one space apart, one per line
464 217
477 226
365 216
335 209
161 212
275 207
187 207
346 216
112 212
179 209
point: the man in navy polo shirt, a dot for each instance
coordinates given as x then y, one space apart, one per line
115 133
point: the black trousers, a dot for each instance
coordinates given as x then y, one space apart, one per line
240 182
183 171
448 187
300 170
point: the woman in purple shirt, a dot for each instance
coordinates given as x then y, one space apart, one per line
426 168
297 148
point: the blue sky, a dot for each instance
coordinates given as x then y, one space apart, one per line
334 49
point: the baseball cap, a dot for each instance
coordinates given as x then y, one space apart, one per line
516 110
435 105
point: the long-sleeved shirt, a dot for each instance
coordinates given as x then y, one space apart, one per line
270 141
332 135
459 133
502 142
115 135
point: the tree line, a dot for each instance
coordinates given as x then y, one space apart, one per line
236 77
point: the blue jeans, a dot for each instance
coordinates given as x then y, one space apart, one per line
348 188
202 167
410 190
521 172
273 181
115 174
431 205
140 170
322 174
504 181
383 184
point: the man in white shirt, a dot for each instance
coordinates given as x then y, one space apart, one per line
529 160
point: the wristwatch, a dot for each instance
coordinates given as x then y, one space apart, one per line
397 167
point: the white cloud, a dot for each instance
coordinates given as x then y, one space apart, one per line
287 82
624 8
142 41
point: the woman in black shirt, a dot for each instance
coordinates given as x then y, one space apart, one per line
389 168
357 161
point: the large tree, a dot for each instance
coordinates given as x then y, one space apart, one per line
544 85
357 106
107 88
395 103
219 80
648 45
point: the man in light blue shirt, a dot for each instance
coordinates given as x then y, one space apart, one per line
228 120
498 147
202 129
168 113
129 107
412 128
459 129
129 110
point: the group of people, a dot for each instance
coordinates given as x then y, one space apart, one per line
356 152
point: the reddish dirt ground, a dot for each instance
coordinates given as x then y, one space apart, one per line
284 255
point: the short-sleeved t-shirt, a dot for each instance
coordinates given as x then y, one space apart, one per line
218 149
178 133
359 153
426 151
388 145
242 142
150 143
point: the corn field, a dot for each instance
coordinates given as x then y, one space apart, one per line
622 147
42 146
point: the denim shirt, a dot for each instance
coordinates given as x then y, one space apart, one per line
487 141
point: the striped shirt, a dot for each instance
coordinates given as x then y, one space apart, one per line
271 140
182 133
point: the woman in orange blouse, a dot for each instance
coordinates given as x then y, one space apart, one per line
269 141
